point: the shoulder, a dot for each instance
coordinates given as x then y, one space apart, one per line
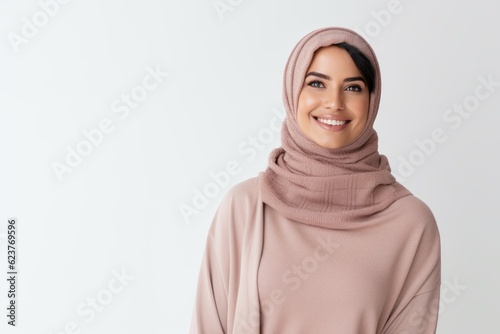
415 209
420 244
243 193
238 206
417 218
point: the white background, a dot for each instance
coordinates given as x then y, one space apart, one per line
118 210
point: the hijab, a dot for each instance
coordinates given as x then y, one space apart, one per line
337 188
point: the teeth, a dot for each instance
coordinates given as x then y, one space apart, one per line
331 121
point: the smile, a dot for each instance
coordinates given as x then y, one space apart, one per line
332 121
332 124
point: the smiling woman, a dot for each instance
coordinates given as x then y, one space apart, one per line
333 103
325 240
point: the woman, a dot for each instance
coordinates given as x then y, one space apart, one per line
324 240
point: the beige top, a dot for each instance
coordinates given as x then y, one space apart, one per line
264 273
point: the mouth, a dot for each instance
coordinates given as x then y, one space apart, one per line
332 124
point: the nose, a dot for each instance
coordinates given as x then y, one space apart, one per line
333 100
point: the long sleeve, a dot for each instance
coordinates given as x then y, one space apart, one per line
417 309
383 277
420 316
210 309
226 297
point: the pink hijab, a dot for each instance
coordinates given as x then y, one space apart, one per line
333 188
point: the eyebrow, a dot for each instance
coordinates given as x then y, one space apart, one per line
327 77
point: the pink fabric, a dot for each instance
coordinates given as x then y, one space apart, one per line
393 257
334 188
384 234
381 277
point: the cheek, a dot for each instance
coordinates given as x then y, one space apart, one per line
361 111
306 104
365 108
304 107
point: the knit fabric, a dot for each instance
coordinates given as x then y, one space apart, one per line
368 251
334 188
381 278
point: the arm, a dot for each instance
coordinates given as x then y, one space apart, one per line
420 315
210 313
210 308
417 309
227 283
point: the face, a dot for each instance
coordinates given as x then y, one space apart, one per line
333 103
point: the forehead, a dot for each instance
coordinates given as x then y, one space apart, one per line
333 58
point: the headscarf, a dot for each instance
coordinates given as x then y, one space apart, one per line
336 188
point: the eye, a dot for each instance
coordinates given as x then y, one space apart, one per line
354 88
316 84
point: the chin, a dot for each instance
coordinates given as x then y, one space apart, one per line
330 144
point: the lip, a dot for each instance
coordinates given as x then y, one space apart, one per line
332 117
332 128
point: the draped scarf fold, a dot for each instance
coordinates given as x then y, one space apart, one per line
332 188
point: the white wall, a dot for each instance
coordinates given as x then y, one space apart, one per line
118 208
